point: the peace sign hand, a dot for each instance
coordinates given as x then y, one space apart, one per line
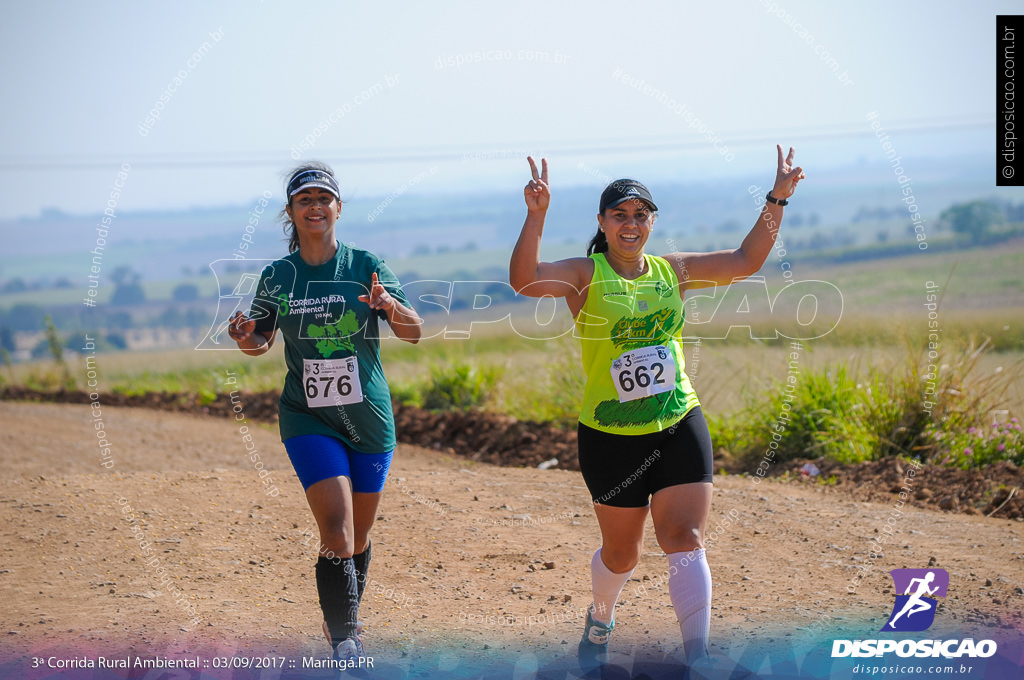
537 193
379 297
787 176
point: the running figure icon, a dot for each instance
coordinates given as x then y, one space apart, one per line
916 590
915 604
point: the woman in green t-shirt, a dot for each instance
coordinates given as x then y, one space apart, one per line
644 445
336 422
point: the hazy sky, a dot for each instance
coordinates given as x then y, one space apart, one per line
79 79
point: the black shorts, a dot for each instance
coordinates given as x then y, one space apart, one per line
625 470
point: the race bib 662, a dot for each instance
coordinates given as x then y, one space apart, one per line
644 372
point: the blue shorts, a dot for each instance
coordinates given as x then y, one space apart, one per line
316 457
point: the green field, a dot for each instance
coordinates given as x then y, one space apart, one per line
874 349
501 371
725 374
982 278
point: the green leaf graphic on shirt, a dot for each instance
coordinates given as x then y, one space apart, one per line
336 337
637 412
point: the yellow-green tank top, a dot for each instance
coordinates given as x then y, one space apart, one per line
631 336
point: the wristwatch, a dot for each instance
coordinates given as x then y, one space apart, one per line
777 201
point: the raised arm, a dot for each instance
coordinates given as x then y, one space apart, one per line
700 270
527 274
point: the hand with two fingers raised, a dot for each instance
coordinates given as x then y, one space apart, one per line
537 193
787 177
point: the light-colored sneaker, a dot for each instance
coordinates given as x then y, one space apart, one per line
349 649
348 657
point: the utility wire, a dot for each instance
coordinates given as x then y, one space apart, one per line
11 163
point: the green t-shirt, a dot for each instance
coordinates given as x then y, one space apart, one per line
330 338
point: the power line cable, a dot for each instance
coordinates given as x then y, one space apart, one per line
13 163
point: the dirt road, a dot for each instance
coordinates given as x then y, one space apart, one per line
471 562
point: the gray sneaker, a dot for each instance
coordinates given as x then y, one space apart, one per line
593 649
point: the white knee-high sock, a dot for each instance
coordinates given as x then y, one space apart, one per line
606 585
689 586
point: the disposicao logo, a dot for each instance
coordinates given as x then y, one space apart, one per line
914 610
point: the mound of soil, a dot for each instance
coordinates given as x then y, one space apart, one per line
997 491
260 406
477 435
502 440
487 437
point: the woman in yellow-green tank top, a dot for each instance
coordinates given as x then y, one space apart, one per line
644 445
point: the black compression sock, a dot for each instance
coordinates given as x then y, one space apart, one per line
337 586
362 564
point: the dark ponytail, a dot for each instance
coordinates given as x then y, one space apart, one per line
598 244
286 222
